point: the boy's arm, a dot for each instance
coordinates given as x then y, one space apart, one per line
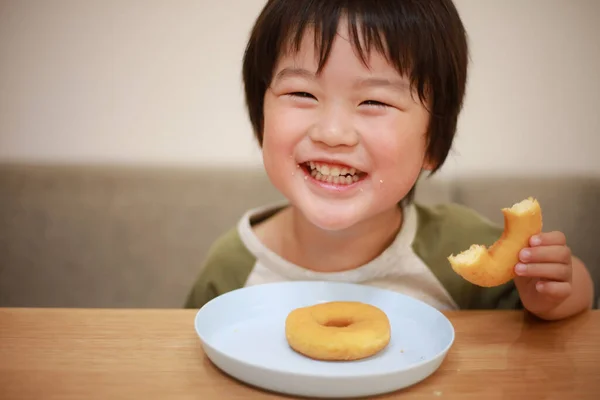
203 290
553 284
227 267
582 291
581 297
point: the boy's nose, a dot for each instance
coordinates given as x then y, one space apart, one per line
334 129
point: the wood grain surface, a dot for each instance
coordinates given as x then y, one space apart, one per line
155 354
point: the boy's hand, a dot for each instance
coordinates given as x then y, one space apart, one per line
544 275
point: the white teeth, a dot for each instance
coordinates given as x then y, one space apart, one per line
333 174
333 171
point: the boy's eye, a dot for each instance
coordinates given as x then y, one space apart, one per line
374 103
302 94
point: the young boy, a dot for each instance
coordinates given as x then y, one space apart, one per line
351 101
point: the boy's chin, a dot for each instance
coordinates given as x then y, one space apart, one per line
332 223
332 219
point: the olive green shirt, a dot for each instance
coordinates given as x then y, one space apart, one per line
415 264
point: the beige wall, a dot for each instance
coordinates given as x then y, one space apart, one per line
148 81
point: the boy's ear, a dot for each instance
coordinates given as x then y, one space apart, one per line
428 164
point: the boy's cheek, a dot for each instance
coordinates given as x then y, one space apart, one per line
288 123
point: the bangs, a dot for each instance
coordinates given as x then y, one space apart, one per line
407 33
424 40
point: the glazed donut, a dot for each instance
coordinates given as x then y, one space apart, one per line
338 331
495 266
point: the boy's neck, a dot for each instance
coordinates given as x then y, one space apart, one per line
297 240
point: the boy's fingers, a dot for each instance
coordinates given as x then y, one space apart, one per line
552 272
549 254
554 238
554 289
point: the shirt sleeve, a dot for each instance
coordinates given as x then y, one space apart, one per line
226 268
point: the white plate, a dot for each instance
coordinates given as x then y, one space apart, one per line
243 334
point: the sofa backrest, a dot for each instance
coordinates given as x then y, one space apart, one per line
84 236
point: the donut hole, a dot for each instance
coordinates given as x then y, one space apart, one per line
338 323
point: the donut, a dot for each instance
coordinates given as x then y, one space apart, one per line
338 330
495 266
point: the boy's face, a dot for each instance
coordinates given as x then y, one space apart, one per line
357 133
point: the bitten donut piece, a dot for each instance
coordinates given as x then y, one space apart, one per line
495 266
338 331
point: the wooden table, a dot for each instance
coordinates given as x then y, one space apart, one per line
155 354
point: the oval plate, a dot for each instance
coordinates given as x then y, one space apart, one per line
243 334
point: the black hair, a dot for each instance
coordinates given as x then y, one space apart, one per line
424 39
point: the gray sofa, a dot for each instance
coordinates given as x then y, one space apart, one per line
90 236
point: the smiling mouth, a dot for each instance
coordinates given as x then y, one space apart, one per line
335 174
